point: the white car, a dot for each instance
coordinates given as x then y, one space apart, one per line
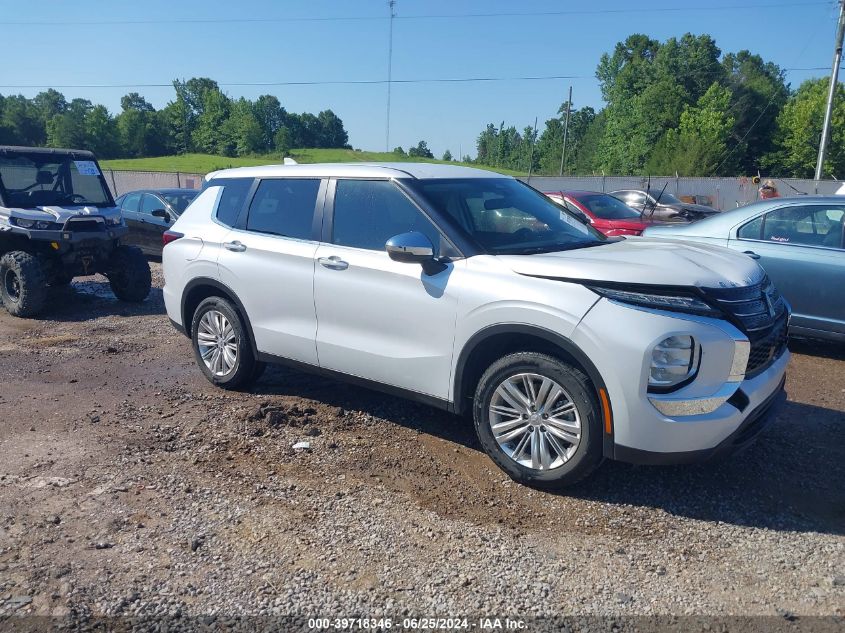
471 291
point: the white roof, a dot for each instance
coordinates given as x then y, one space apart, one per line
422 171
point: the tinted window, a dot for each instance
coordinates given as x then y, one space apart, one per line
284 207
232 199
367 213
751 231
131 202
805 225
150 203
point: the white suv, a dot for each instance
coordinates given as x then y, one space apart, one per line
473 292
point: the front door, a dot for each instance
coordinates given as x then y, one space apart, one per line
379 319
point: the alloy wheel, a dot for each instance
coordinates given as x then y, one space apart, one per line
535 421
217 342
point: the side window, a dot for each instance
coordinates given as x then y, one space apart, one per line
150 203
131 202
751 231
792 225
284 207
367 213
232 199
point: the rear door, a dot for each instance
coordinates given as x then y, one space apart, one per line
129 209
268 260
801 249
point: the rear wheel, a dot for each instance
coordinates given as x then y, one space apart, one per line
536 417
23 284
129 274
222 346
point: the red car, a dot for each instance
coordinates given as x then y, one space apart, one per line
607 214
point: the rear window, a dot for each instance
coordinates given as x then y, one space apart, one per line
284 207
232 199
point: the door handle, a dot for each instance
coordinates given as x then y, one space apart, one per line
334 262
235 247
751 254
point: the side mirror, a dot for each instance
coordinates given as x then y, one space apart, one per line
410 248
161 213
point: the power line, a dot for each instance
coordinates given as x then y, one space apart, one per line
344 82
444 16
341 82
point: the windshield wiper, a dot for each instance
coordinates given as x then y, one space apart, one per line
551 248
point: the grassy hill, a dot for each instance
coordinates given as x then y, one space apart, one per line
204 163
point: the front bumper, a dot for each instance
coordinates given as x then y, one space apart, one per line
698 420
747 432
110 233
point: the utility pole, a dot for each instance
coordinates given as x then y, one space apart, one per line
565 131
390 5
834 76
531 156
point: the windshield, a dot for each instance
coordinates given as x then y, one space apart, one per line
179 201
38 179
607 207
506 216
665 197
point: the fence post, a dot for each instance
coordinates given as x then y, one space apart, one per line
113 183
178 180
603 189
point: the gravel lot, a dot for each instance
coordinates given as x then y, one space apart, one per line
131 486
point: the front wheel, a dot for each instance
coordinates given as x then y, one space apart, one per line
129 274
222 346
537 418
23 284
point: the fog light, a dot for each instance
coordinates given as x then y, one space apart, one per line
673 360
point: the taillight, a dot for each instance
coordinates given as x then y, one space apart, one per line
170 236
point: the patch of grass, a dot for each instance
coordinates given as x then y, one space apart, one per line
204 163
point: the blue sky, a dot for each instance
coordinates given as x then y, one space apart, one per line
446 115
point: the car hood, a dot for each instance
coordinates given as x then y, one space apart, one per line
61 214
639 260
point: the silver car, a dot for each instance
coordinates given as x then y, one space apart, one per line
800 242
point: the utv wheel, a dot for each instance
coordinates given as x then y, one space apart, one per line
23 285
129 274
537 418
222 346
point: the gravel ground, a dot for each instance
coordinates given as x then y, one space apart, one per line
129 486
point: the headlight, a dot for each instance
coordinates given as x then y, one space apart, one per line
114 221
41 225
673 302
673 361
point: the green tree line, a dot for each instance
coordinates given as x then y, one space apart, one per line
681 107
200 119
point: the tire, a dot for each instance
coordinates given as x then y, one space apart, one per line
216 367
567 461
23 284
129 274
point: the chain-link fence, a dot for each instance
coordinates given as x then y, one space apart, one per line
720 193
122 181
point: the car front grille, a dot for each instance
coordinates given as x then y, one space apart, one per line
85 226
762 314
